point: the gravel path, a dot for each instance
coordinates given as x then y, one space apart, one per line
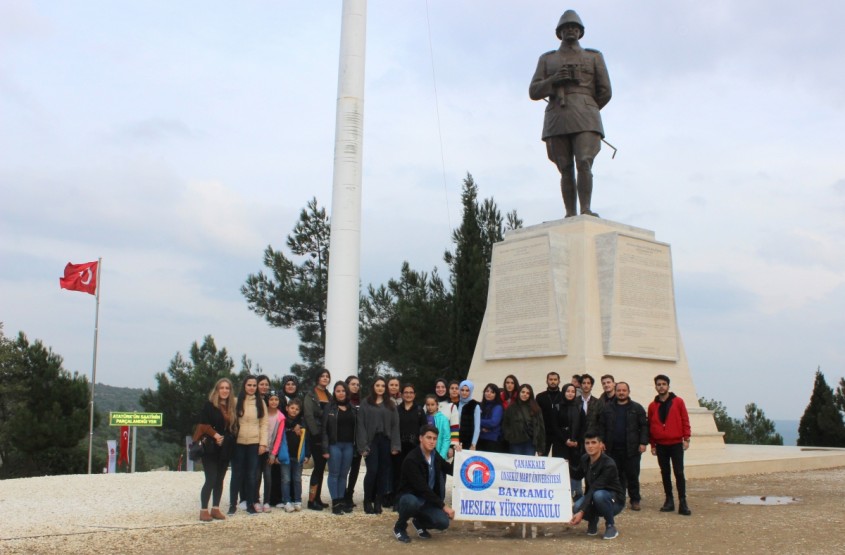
156 512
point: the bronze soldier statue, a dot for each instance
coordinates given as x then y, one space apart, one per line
577 86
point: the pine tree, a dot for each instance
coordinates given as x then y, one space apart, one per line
295 295
481 227
183 389
758 429
44 411
822 424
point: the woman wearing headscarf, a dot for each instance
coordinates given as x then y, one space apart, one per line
470 417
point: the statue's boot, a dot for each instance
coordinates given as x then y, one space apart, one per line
567 189
585 192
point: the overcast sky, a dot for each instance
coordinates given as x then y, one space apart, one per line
178 139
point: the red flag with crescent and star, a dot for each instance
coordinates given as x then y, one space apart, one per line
80 277
123 454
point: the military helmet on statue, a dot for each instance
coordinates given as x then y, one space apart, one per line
569 16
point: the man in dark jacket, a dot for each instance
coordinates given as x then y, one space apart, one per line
418 498
604 496
624 424
550 402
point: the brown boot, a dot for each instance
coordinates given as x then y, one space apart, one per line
216 514
204 516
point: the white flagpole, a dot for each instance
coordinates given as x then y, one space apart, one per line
94 368
345 261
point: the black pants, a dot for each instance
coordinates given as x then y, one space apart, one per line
214 467
489 445
555 447
629 472
675 455
319 467
353 474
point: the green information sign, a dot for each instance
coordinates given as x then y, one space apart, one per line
152 419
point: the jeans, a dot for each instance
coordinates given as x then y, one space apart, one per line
340 460
427 515
526 448
292 476
575 487
244 473
675 455
378 468
604 504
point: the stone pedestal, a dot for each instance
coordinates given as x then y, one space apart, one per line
585 294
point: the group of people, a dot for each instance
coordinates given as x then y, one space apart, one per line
406 444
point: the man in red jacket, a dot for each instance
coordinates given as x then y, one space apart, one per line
669 434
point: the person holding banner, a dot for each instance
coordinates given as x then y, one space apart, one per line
604 496
523 425
418 498
216 421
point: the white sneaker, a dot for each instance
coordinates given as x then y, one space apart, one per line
266 507
280 506
289 508
297 507
242 505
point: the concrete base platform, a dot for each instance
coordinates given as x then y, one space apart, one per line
739 460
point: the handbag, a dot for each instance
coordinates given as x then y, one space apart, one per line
196 450
206 446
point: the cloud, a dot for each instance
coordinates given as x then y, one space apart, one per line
152 130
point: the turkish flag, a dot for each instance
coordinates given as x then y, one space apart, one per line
123 457
80 277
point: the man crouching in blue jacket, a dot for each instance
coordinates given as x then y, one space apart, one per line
604 496
423 476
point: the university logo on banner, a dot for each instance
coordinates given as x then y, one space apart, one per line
511 488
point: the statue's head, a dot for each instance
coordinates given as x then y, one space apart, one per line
569 17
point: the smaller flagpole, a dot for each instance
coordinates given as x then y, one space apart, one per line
94 368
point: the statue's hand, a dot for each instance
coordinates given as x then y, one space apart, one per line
562 75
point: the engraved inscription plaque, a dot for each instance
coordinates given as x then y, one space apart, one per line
637 297
524 321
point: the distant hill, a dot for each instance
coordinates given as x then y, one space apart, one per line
108 398
788 429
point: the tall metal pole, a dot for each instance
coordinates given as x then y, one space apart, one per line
345 257
94 368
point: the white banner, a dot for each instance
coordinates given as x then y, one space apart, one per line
112 446
510 488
